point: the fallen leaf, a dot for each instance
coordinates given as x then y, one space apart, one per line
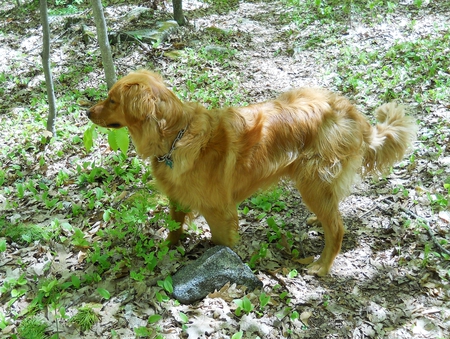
304 317
444 215
305 261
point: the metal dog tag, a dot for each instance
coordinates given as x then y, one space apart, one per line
169 163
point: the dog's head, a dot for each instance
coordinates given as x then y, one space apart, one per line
136 99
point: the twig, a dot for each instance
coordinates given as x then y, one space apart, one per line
417 217
373 208
428 228
273 274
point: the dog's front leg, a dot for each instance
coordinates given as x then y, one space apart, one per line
224 225
179 215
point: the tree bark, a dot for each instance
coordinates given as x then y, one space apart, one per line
178 12
46 65
105 48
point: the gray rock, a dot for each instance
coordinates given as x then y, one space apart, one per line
137 12
156 35
210 272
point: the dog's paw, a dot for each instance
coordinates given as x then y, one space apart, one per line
313 221
318 268
174 236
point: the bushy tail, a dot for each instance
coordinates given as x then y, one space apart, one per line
389 139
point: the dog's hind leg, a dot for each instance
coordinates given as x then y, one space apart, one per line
323 202
224 225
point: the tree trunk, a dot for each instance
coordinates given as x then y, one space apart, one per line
105 48
178 12
46 65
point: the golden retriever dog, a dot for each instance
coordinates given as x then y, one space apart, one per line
210 160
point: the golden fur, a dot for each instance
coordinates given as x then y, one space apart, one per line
312 136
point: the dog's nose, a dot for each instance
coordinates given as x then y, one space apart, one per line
88 113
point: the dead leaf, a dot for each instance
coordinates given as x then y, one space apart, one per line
47 134
445 215
304 317
304 261
81 256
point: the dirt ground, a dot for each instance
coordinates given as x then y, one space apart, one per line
391 277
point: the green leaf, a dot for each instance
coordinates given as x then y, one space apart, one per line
76 282
142 331
22 280
184 318
248 307
264 300
154 318
104 293
123 140
107 215
238 335
62 312
168 284
272 223
112 141
90 134
243 304
239 303
293 273
118 139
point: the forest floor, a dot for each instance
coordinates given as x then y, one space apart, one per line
82 231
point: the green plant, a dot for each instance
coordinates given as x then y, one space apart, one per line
263 300
20 190
85 318
3 321
23 233
166 284
292 274
268 201
184 320
104 293
261 254
243 305
222 5
238 335
426 254
118 139
61 178
167 287
421 60
32 328
15 286
78 239
438 201
326 300
146 332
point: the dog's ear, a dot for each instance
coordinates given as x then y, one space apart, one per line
168 109
138 99
145 97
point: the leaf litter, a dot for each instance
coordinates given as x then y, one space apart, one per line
391 278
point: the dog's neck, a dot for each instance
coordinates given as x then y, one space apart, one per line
167 158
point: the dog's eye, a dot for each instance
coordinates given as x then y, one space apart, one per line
111 101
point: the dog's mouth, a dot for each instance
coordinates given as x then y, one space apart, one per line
116 125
